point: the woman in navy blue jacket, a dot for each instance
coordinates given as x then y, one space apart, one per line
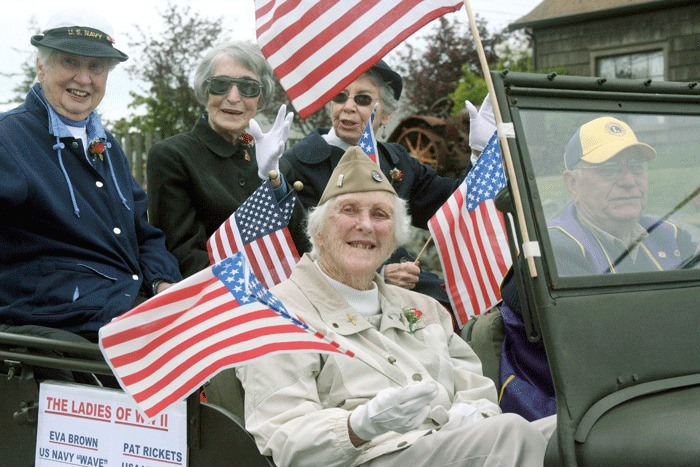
76 248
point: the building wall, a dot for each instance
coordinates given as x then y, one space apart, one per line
675 30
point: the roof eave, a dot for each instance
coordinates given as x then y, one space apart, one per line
591 15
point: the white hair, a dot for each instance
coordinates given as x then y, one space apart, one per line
318 216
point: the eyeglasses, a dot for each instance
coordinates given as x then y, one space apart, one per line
615 170
362 100
220 85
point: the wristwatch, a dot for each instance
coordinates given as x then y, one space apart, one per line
154 286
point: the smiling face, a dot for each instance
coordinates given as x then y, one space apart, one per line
73 85
357 237
230 113
349 119
612 199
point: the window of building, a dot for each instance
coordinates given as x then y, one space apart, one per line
640 65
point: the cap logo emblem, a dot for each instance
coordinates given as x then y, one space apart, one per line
615 129
340 180
376 176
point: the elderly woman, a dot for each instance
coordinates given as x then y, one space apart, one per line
196 180
414 394
314 158
76 248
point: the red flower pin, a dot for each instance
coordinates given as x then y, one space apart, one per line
97 148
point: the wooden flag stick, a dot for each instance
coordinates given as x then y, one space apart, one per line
505 150
424 247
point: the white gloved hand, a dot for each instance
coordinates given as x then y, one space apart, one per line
482 124
461 415
394 409
270 146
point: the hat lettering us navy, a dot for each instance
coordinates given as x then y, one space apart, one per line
79 34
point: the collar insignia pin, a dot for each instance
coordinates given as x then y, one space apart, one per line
352 319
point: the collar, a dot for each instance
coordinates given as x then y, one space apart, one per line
57 128
334 140
214 141
632 242
335 312
315 148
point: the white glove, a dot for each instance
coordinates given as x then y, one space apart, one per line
462 415
270 146
394 409
482 124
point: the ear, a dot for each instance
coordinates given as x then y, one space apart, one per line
39 71
386 118
571 182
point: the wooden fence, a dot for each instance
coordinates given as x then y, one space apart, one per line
136 146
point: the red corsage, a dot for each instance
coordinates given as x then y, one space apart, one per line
97 148
246 140
413 317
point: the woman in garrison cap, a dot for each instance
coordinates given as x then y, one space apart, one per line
414 393
312 160
76 248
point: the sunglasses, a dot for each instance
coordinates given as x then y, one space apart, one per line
220 85
362 100
615 170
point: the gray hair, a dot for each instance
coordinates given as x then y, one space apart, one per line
248 55
318 216
44 55
389 102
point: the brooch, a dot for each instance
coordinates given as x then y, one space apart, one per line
396 175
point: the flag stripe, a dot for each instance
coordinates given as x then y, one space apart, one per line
259 229
471 240
317 47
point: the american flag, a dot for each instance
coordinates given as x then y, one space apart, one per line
367 142
471 240
258 228
318 47
167 347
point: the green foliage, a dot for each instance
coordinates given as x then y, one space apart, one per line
166 61
514 54
432 72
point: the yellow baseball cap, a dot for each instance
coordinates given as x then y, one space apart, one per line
602 139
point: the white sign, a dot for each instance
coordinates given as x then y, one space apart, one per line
92 426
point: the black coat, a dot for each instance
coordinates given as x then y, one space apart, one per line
196 180
312 161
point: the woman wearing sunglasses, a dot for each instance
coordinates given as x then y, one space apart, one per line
313 159
196 180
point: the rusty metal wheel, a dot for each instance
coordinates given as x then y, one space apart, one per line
425 145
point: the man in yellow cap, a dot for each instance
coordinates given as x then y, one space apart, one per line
604 229
421 399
